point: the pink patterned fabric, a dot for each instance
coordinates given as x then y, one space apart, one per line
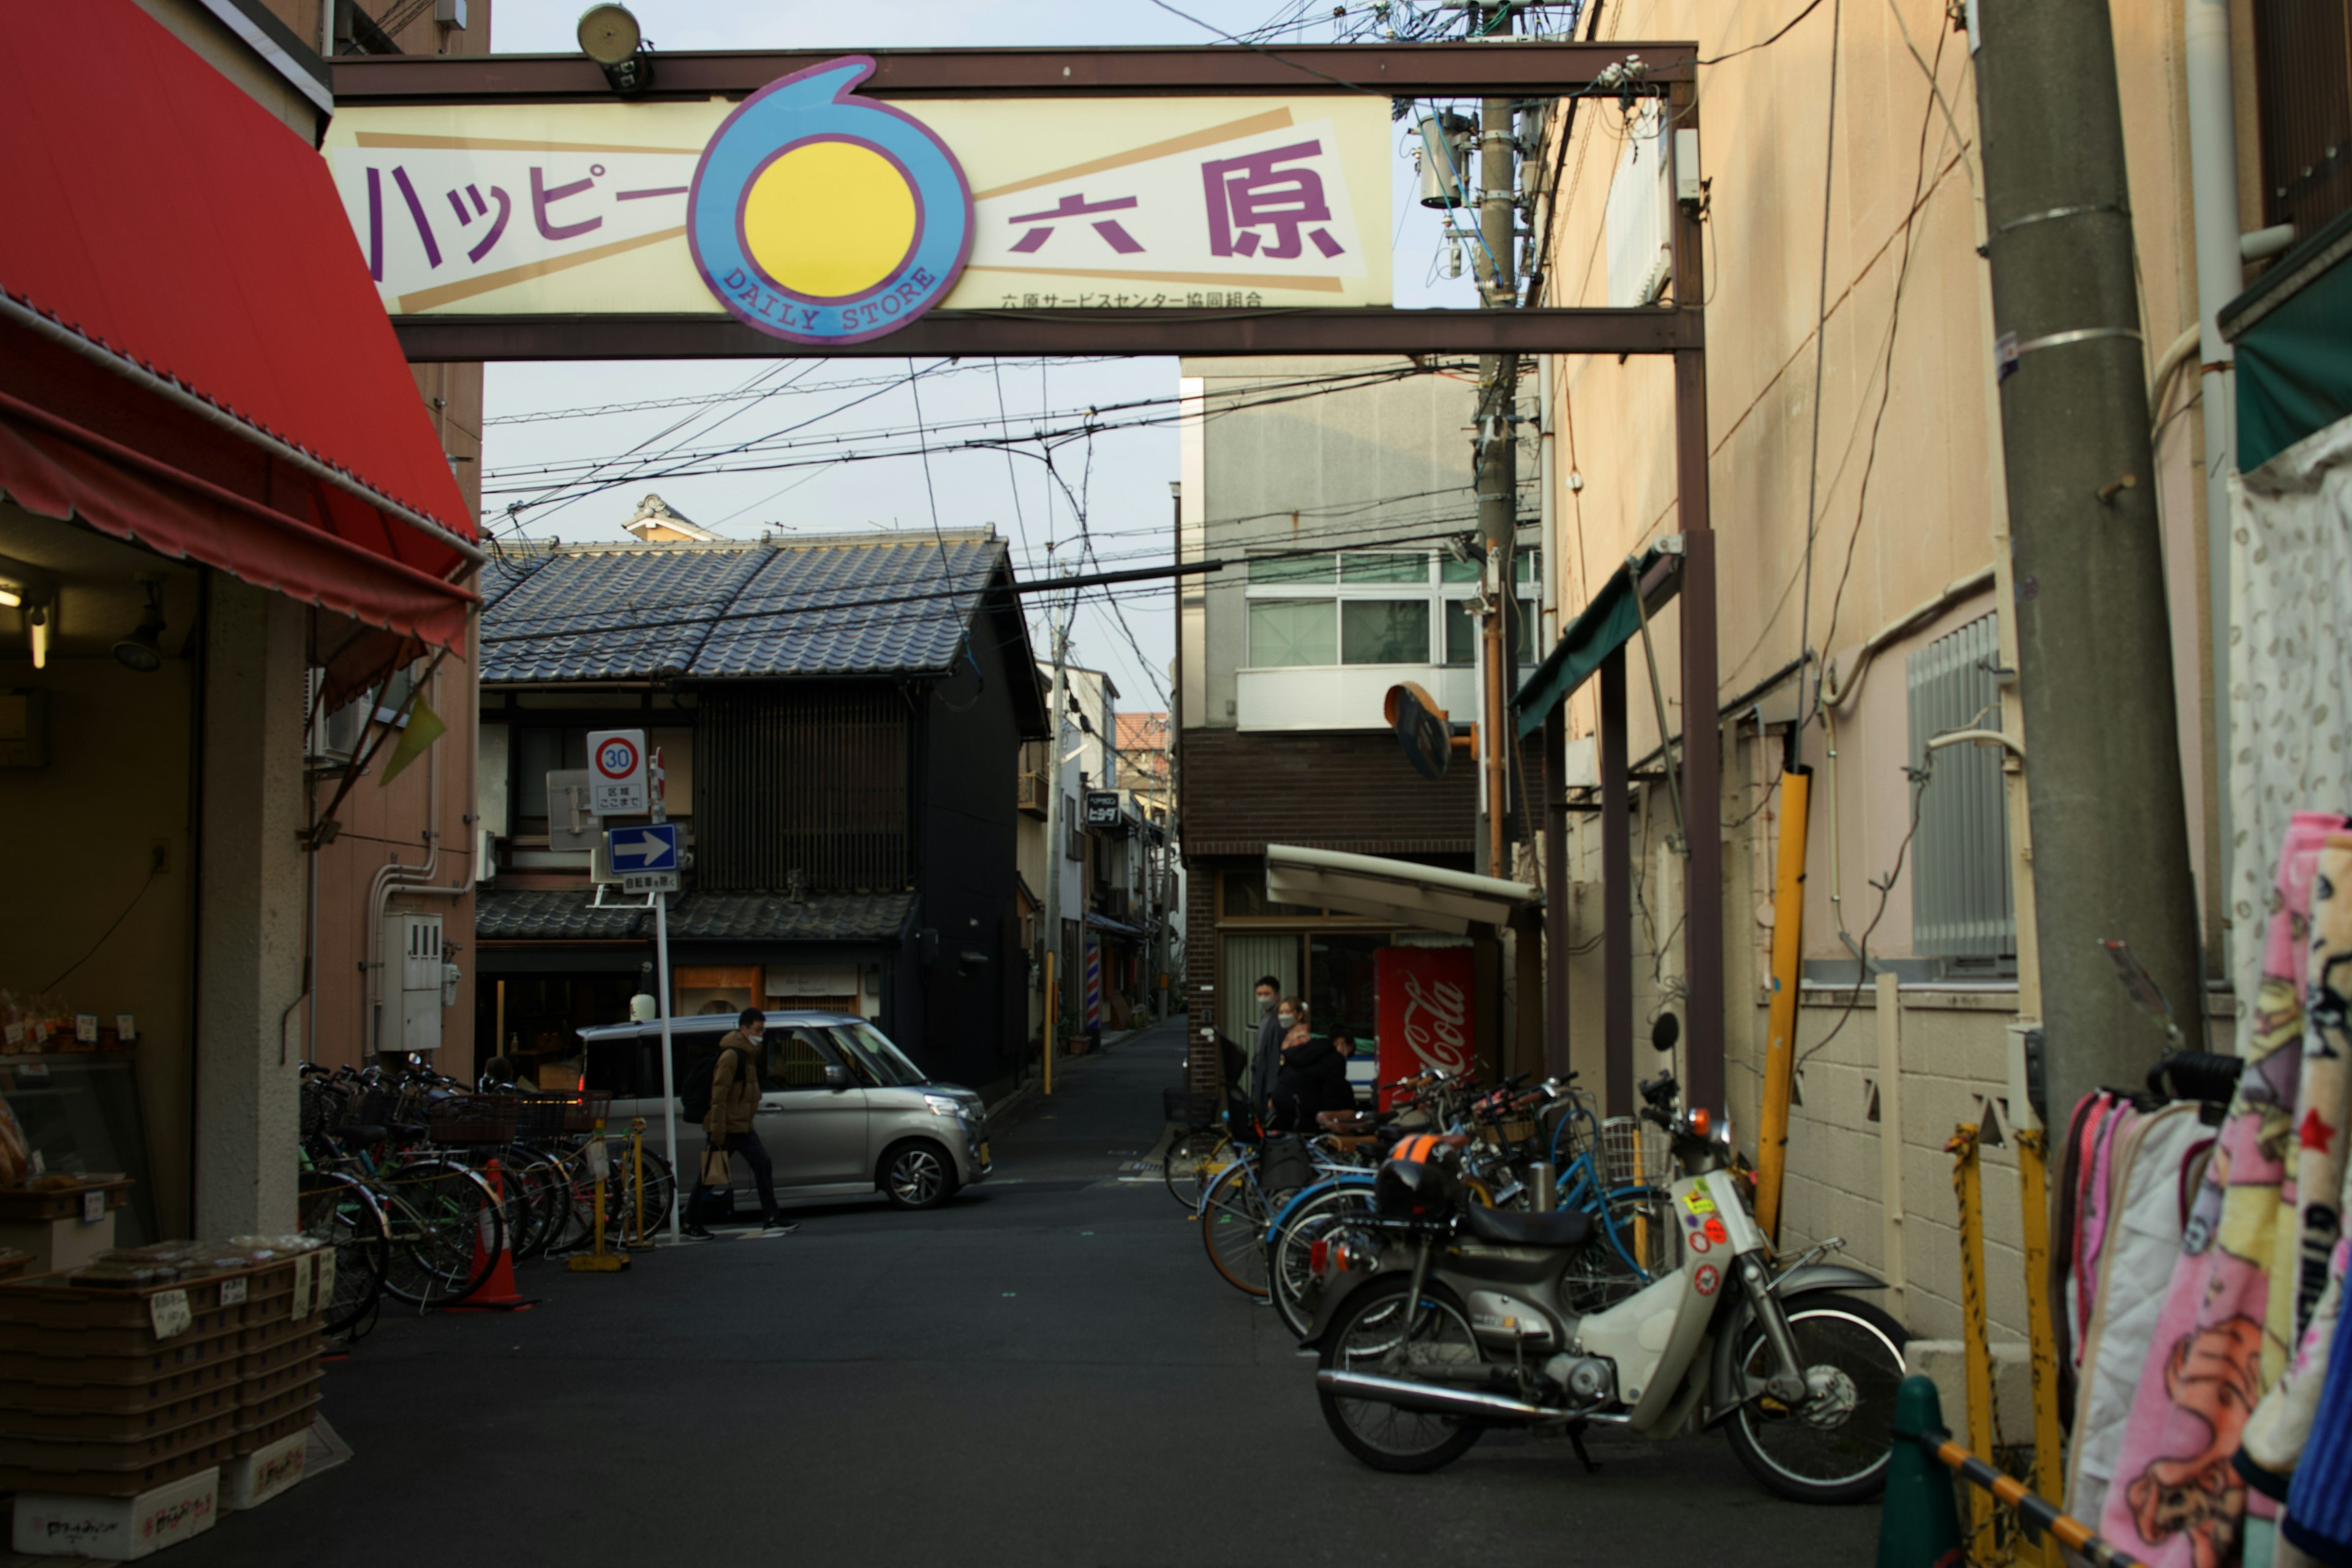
2176 1500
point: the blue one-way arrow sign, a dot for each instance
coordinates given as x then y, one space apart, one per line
652 846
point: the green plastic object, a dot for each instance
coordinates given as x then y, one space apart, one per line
1921 1525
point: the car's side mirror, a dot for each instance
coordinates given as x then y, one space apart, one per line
836 1076
1665 1032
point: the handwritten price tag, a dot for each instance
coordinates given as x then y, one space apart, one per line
167 1311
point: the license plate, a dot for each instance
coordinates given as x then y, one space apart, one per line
983 1155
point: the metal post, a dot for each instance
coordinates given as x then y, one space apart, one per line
2042 1336
1616 893
669 1065
2094 646
1967 1189
1053 1014
1780 1034
1702 739
1558 912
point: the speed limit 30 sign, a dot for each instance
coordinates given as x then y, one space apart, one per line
616 771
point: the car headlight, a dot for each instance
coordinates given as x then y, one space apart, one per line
941 1105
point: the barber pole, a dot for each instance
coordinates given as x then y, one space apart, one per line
1094 986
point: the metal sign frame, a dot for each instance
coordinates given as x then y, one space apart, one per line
1525 69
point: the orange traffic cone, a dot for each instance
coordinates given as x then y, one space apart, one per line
498 1293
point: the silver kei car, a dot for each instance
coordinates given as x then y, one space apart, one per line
842 1109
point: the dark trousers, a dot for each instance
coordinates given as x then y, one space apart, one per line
763 1175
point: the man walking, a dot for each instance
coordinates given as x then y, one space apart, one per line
727 1126
1268 1055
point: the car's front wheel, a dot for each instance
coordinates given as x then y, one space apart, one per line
916 1174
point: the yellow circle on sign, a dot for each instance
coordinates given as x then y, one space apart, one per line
830 219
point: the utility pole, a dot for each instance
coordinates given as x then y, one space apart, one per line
1498 468
2109 824
1056 705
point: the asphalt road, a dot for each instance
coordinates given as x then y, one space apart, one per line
1044 1372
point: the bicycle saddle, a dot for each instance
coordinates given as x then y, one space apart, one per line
1510 1228
362 1133
1348 1123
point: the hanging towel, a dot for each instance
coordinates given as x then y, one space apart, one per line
2319 1509
2177 1501
2134 1266
2307 1270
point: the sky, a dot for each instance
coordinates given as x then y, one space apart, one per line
1101 502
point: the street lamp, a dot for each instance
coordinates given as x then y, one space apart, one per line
609 34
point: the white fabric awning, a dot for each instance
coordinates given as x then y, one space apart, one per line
1423 896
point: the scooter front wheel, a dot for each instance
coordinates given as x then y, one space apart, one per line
1374 1335
1832 1448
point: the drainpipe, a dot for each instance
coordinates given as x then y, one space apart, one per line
2220 275
396 878
1549 508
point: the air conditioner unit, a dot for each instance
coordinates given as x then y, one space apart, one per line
413 950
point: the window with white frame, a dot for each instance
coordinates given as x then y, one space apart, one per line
1383 607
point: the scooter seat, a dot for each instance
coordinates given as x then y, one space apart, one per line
1347 1123
1510 1228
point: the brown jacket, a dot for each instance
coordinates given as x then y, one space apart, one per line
734 1093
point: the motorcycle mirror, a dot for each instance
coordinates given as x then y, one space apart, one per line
1665 1033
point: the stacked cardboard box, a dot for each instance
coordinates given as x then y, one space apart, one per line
138 1377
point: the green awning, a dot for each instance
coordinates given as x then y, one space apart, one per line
1604 626
2292 330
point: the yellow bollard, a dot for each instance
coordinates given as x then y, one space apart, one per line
598 1260
1968 1188
2049 1444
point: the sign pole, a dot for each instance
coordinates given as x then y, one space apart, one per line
669 1064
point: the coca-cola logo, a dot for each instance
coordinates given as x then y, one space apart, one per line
1434 1014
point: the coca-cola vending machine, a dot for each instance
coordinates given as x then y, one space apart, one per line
1426 1017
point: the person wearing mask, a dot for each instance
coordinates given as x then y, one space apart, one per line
1299 1086
1266 1059
727 1127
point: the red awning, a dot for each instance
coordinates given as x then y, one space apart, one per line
191 352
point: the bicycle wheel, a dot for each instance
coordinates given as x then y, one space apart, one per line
621 1196
1339 1215
1635 1244
1233 1227
1188 1158
341 1212
446 1231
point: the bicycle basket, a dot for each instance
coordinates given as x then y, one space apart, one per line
1634 1155
471 1119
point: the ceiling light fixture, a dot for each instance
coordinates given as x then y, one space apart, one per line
37 625
11 597
610 35
143 650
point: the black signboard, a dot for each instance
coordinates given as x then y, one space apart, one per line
1102 809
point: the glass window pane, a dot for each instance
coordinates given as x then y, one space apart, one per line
1449 570
537 753
1295 569
1524 565
1461 633
1389 566
1292 632
795 1059
1384 631
1531 648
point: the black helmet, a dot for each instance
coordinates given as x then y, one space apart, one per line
1413 1189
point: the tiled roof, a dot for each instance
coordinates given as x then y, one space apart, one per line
550 914
833 917
565 914
855 604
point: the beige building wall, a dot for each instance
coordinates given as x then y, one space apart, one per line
1895 330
